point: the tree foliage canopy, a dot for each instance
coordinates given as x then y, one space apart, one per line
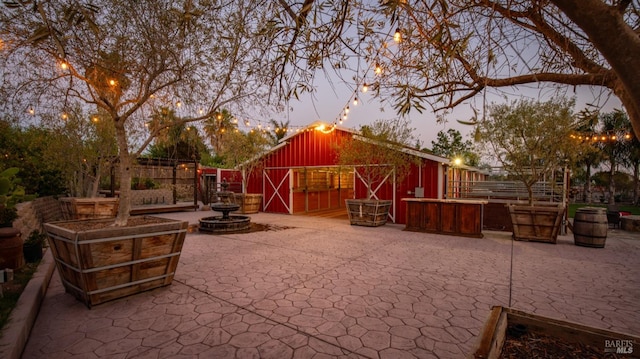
453 50
379 149
530 139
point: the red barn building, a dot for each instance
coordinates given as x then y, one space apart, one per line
301 174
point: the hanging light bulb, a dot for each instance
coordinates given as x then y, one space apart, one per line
178 104
31 111
346 110
365 88
378 69
397 37
355 101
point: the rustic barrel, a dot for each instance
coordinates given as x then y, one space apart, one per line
590 227
10 248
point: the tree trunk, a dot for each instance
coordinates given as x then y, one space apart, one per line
95 184
125 174
612 184
618 44
636 183
587 186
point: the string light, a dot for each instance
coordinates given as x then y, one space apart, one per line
355 101
378 69
365 87
397 37
600 137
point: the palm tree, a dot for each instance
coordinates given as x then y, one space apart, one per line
617 152
279 131
217 127
591 156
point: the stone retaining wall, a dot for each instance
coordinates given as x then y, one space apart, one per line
151 196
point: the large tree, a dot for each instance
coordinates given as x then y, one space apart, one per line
530 139
126 58
453 50
450 144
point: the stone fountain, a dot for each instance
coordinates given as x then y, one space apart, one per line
225 223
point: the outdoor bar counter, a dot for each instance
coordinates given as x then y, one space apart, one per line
445 216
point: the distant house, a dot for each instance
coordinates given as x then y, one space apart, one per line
301 175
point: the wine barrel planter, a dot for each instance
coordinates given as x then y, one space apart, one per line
249 202
10 248
368 212
590 227
98 262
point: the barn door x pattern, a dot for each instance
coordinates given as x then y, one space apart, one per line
280 191
374 191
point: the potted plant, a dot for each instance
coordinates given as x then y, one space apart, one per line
377 154
10 242
32 247
244 151
531 140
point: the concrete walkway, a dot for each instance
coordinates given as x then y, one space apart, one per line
320 288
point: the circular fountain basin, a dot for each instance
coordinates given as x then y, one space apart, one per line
221 224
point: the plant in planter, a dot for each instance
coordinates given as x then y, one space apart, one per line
123 76
10 242
33 245
531 140
378 154
244 151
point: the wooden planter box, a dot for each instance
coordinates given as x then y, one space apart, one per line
502 320
249 202
536 223
367 212
89 208
98 262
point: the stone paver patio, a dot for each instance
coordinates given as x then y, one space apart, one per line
321 288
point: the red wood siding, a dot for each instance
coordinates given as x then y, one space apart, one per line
313 148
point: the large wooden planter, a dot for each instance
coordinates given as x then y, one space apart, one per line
536 223
503 322
89 208
249 202
451 217
98 262
368 212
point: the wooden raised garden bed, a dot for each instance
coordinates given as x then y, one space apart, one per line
98 262
540 223
510 333
89 208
